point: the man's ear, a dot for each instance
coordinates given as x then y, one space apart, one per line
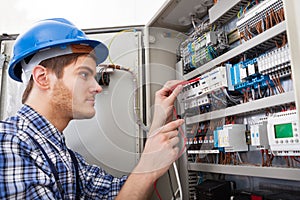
40 76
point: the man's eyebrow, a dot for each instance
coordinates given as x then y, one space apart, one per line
86 68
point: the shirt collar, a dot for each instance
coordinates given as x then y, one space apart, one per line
43 126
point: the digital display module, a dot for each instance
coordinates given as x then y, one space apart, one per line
283 130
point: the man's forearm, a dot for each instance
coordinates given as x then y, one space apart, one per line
138 186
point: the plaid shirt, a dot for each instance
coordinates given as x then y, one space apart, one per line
25 173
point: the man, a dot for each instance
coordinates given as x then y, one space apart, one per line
58 63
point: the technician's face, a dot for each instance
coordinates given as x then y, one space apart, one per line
75 92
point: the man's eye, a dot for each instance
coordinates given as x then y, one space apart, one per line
84 75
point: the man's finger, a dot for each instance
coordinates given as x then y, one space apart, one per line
171 84
174 141
175 93
168 87
171 126
171 134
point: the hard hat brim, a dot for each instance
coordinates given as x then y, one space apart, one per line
15 68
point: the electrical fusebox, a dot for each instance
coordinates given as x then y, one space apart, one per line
238 97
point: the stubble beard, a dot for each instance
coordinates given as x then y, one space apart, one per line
62 100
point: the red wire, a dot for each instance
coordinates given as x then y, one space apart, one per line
175 112
180 153
185 82
180 129
156 191
181 133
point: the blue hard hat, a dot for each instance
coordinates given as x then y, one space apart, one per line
56 32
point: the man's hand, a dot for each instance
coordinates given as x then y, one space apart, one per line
161 147
164 102
160 150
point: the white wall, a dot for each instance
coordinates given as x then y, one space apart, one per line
17 15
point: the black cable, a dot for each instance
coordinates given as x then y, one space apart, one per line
264 94
171 185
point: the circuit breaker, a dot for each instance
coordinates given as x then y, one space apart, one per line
259 135
233 138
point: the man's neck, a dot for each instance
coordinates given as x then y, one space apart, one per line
57 119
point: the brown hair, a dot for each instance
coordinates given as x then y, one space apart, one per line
57 65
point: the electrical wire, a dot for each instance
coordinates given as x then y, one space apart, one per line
181 133
221 100
136 116
295 159
135 89
262 151
156 190
280 85
243 10
171 185
270 88
178 180
174 164
113 38
233 100
258 27
183 136
259 91
185 83
194 23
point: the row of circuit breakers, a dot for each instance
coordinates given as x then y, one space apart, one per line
255 74
278 131
201 48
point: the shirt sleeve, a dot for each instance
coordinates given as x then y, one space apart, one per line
96 183
22 175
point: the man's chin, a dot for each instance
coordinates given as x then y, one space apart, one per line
83 115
